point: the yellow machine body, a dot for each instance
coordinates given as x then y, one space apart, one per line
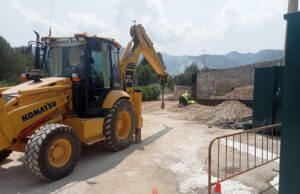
27 106
31 105
115 107
88 130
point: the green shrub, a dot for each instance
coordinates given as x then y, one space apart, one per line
14 81
150 92
5 83
220 93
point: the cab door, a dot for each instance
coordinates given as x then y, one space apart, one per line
102 74
98 76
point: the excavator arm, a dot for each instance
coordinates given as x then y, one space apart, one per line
140 44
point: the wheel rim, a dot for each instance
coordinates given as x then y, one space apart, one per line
123 125
60 153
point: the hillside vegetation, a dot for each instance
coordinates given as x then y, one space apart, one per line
13 62
177 64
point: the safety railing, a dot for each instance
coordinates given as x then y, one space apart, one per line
237 153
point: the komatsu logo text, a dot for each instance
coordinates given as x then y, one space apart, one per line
39 111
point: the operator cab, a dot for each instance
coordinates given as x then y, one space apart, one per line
93 65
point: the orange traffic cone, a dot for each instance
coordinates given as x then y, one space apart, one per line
154 190
218 187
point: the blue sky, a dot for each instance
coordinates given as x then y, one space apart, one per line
175 26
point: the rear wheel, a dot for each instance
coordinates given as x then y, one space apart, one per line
119 126
4 154
52 152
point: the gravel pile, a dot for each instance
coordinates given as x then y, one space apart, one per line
226 115
242 93
175 96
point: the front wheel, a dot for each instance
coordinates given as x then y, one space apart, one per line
52 152
119 126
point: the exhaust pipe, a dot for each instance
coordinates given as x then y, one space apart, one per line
37 51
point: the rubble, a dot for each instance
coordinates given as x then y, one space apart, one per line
241 93
176 95
226 115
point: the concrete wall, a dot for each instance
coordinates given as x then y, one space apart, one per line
178 87
224 80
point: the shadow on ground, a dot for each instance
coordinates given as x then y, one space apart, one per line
95 161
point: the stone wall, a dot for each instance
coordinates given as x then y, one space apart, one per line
178 87
220 81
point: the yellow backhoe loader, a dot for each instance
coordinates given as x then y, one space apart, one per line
80 92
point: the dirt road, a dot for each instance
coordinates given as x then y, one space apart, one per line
171 157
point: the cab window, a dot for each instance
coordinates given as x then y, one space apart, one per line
115 68
99 68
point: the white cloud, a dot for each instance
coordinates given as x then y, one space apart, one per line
167 32
86 21
161 27
73 23
33 18
239 14
236 16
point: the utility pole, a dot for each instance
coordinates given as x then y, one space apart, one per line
293 6
204 57
289 163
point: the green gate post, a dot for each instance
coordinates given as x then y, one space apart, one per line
290 134
267 96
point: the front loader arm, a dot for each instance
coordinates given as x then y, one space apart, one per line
140 44
148 50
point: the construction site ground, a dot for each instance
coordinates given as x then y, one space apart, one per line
171 157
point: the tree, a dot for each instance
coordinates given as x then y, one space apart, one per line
192 69
185 78
170 82
5 57
145 73
13 62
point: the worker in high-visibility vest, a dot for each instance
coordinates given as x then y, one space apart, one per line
184 98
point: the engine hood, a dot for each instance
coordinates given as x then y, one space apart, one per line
45 82
36 88
31 104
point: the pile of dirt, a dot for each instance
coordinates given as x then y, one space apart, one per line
241 93
175 96
226 115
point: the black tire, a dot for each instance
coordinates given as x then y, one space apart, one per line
4 154
38 149
112 141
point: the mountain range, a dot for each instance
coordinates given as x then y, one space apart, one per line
177 64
